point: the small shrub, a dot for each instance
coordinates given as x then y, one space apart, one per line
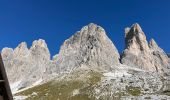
134 91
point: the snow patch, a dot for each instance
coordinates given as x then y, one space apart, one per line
20 97
38 82
116 74
14 87
35 84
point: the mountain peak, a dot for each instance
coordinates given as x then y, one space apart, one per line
40 49
137 27
153 44
92 29
7 53
138 53
92 24
135 39
28 63
39 43
88 47
21 50
22 45
89 58
136 48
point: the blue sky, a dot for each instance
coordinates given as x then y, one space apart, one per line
57 20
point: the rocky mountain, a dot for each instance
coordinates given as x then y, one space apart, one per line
139 53
26 67
89 67
87 47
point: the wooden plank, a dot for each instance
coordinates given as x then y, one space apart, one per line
1 97
1 82
5 91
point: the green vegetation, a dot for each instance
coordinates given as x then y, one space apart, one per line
167 92
94 78
118 95
64 89
134 91
148 98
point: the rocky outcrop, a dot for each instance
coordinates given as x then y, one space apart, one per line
88 66
139 54
126 84
161 60
27 66
88 47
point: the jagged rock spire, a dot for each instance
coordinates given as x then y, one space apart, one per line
135 29
138 53
40 43
89 47
135 39
39 49
21 50
26 66
7 53
153 44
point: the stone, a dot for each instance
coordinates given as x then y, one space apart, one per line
88 47
139 54
89 57
27 66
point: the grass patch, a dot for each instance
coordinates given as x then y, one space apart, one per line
94 77
148 98
63 90
134 91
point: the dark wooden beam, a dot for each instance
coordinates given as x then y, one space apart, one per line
5 91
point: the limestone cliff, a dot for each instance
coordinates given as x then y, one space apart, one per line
26 66
88 47
139 54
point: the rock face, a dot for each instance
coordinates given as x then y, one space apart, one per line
88 47
27 66
159 56
88 66
138 53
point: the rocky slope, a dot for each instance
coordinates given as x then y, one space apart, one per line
89 67
125 84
